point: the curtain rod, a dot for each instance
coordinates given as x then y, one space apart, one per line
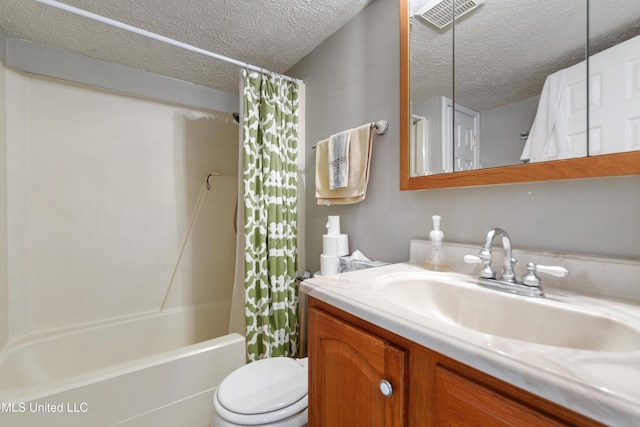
140 31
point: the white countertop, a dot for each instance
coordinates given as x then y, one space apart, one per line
604 386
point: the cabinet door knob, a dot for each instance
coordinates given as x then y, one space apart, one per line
386 388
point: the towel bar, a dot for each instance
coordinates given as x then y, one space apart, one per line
381 127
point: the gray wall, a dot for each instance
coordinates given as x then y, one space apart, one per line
500 128
37 59
353 78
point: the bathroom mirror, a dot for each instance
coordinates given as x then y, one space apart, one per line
508 88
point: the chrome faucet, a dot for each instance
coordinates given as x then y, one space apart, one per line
508 275
530 284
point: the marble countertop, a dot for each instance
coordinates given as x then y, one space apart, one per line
601 385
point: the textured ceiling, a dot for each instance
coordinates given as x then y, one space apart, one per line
273 34
506 48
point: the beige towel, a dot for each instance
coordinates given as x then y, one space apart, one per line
359 161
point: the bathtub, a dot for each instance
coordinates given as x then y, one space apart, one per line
158 369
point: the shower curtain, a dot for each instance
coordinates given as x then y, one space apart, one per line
270 149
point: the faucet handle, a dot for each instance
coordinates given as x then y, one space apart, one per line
532 279
554 270
478 259
487 271
472 259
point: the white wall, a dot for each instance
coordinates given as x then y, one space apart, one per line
352 78
102 190
432 110
4 319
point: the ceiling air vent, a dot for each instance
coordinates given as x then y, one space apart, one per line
440 12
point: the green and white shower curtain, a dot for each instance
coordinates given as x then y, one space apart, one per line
270 149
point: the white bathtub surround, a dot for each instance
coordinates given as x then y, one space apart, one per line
4 286
159 369
43 358
101 190
599 384
107 223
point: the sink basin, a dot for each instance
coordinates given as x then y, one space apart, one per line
541 321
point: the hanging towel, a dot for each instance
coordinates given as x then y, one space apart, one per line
548 138
338 160
359 162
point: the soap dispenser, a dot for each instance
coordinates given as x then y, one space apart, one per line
436 260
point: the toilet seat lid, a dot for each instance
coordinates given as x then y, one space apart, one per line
263 386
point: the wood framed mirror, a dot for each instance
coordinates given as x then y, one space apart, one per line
604 165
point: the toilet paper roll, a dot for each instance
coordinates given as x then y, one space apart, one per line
333 226
335 245
329 264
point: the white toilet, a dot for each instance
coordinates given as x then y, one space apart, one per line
266 393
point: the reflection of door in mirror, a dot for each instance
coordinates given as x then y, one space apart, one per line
419 145
614 102
614 76
431 131
466 147
433 150
559 130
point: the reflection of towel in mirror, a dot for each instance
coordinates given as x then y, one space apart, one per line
338 160
548 139
359 161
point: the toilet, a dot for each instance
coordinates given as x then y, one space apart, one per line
266 393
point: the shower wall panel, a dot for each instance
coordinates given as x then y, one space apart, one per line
107 210
4 318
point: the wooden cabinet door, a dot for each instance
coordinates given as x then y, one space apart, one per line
463 402
346 365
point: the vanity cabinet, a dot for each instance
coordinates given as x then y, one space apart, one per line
348 357
347 365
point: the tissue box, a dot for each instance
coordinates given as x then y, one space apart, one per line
357 261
